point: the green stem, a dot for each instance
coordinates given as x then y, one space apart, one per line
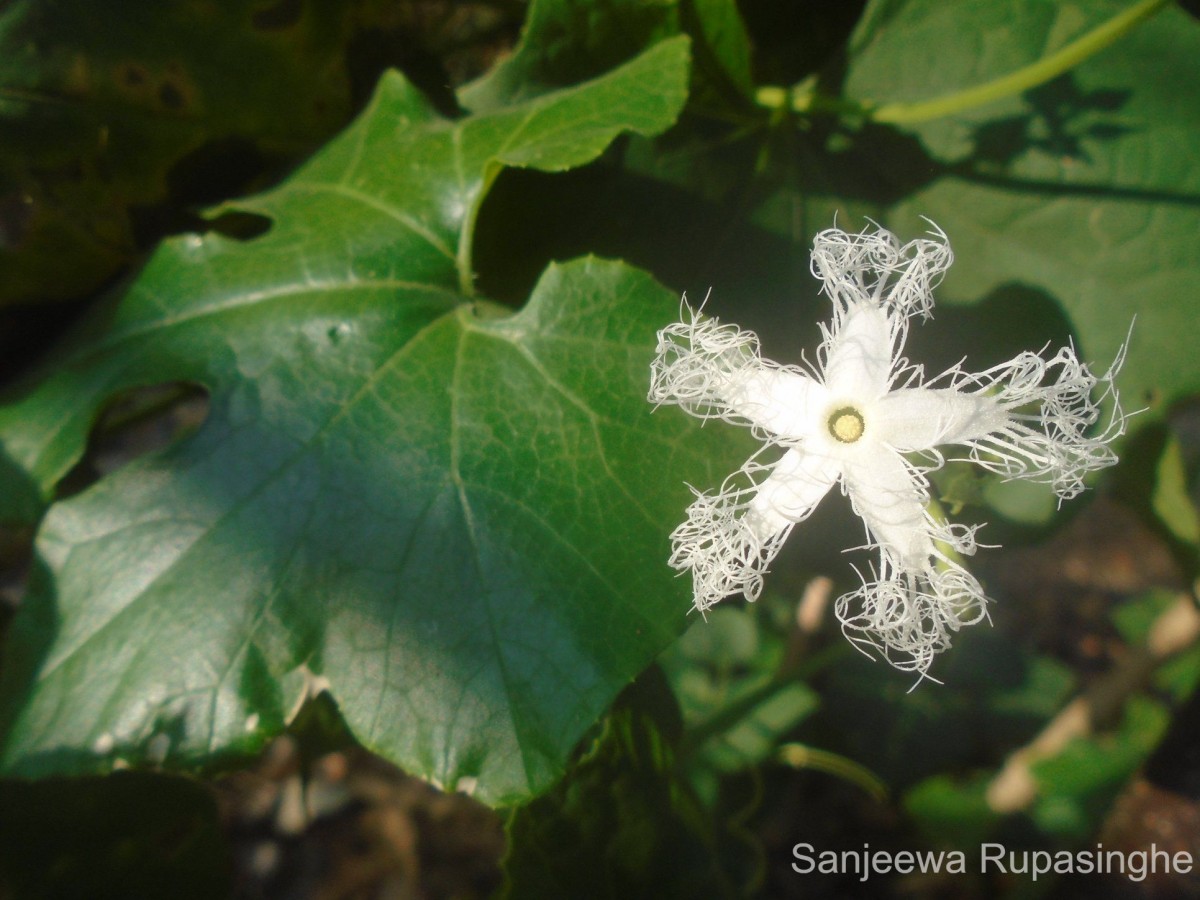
800 756
807 102
1031 76
938 512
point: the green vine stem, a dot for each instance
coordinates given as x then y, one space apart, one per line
801 756
1017 82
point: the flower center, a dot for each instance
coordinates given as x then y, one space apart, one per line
846 424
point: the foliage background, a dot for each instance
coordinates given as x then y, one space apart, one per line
407 494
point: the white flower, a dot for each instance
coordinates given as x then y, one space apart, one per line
867 419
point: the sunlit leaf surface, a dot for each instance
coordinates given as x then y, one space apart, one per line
456 515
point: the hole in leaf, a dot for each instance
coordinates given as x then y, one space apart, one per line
217 170
137 422
242 226
16 551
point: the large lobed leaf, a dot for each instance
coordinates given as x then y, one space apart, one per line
456 515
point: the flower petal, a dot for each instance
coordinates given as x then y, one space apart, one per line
695 360
909 617
730 538
781 402
725 555
1050 442
1027 418
890 496
716 371
874 265
860 353
921 418
875 284
792 491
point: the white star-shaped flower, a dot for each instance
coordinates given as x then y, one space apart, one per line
867 419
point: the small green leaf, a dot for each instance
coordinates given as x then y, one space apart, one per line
1135 619
456 516
1172 501
952 812
1026 502
727 637
1085 777
754 737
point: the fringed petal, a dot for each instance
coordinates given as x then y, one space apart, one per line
716 371
919 419
907 618
875 266
876 285
890 496
730 539
1044 410
921 595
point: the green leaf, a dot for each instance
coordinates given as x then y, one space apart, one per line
1135 619
952 812
1081 781
753 739
1172 501
1084 188
387 209
727 659
721 32
106 109
456 516
566 41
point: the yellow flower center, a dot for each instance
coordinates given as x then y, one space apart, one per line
846 424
